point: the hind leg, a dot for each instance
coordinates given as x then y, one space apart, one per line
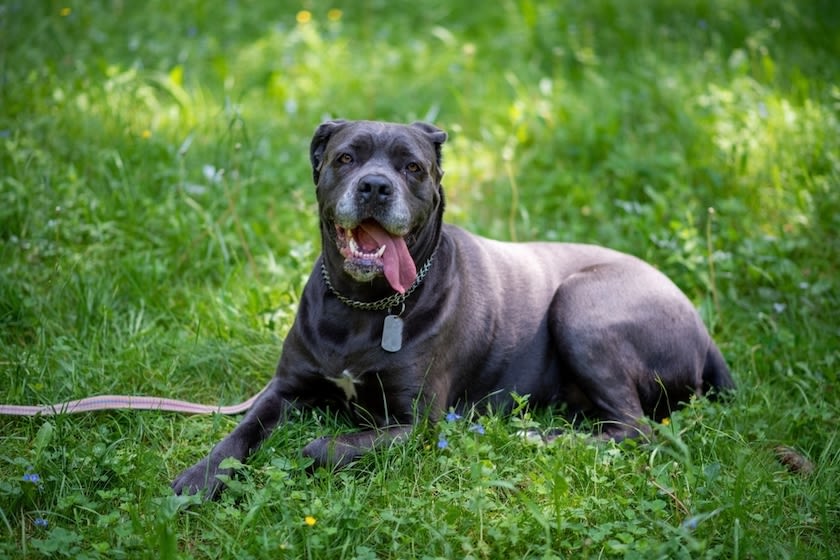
615 418
630 342
613 399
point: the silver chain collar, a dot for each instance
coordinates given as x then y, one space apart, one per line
380 304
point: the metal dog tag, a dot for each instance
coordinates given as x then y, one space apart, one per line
392 331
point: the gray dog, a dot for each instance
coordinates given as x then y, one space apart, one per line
405 317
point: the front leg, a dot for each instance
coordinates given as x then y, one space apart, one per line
426 400
269 409
339 451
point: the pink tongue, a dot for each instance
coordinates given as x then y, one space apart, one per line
398 264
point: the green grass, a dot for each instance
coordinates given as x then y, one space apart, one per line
157 223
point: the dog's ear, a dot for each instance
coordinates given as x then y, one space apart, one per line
436 136
319 144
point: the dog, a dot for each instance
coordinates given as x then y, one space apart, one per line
405 318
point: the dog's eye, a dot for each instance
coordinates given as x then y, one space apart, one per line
345 158
413 167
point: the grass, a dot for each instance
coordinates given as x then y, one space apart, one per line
157 224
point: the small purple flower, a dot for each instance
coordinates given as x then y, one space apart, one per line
442 443
41 522
691 523
762 110
452 416
477 429
779 307
34 478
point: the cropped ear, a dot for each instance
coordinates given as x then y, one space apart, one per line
435 135
319 144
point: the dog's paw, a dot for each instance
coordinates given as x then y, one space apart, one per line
537 437
331 452
532 436
201 478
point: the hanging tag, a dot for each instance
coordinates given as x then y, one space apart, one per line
392 331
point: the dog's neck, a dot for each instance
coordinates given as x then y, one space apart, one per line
388 303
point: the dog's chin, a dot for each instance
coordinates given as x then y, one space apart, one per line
361 266
362 270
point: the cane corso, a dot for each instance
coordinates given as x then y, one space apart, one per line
405 317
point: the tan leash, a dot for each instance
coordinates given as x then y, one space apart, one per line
121 402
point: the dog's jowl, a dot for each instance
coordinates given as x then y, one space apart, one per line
405 317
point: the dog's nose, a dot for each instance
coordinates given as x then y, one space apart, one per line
375 187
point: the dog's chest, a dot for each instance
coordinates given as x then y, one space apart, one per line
346 381
374 397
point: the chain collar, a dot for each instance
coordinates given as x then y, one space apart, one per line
380 304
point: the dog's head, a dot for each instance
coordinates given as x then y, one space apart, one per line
379 194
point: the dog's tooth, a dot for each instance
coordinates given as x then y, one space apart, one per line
358 253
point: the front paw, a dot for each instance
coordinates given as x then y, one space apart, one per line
331 452
201 477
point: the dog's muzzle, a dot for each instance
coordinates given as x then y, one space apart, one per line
369 250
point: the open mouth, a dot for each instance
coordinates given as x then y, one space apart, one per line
370 251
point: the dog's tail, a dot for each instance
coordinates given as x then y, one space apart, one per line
716 375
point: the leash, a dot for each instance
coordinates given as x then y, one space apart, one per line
122 402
